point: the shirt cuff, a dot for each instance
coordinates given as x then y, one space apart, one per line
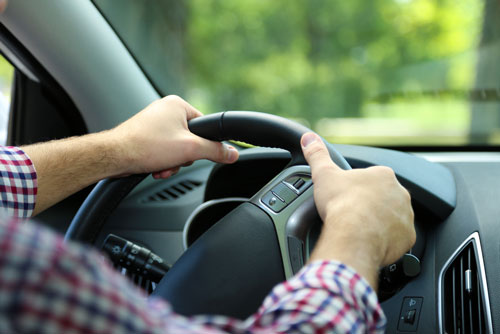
329 294
18 182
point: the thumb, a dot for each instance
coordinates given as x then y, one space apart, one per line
316 153
217 152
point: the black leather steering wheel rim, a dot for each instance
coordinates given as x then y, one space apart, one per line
259 129
256 128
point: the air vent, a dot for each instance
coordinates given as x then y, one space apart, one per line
172 192
465 304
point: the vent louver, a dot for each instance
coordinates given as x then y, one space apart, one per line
465 306
172 192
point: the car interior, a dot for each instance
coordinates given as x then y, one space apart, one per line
409 84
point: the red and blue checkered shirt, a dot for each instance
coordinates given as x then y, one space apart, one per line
49 286
17 182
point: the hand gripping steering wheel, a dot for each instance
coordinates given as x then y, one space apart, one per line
235 264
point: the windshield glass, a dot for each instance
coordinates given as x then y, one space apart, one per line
381 72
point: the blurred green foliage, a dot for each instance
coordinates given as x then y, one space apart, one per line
6 76
325 63
311 59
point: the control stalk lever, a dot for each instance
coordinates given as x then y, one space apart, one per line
136 259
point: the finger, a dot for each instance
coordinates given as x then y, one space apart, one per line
162 174
3 4
165 174
316 153
191 112
174 171
215 151
187 164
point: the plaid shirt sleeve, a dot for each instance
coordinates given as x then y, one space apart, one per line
48 286
18 182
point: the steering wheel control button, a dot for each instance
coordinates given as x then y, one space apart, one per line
410 313
296 252
273 202
285 193
279 198
299 183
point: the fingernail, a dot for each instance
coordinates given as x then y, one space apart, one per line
308 139
231 153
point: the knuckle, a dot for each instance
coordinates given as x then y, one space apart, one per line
386 171
219 151
406 195
413 237
315 152
173 98
324 172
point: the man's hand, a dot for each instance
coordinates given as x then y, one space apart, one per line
367 215
156 140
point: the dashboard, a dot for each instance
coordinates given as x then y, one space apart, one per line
455 199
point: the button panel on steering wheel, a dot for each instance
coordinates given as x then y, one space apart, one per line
284 199
286 192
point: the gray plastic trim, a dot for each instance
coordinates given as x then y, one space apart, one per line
281 220
76 45
482 276
18 63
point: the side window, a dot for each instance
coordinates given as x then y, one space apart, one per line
6 78
34 107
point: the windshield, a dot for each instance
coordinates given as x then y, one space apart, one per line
381 72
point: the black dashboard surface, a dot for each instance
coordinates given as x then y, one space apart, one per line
452 201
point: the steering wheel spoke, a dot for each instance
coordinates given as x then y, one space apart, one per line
288 199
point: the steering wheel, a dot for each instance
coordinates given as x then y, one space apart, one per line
235 264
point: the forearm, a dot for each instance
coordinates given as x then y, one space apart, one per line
66 166
156 140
